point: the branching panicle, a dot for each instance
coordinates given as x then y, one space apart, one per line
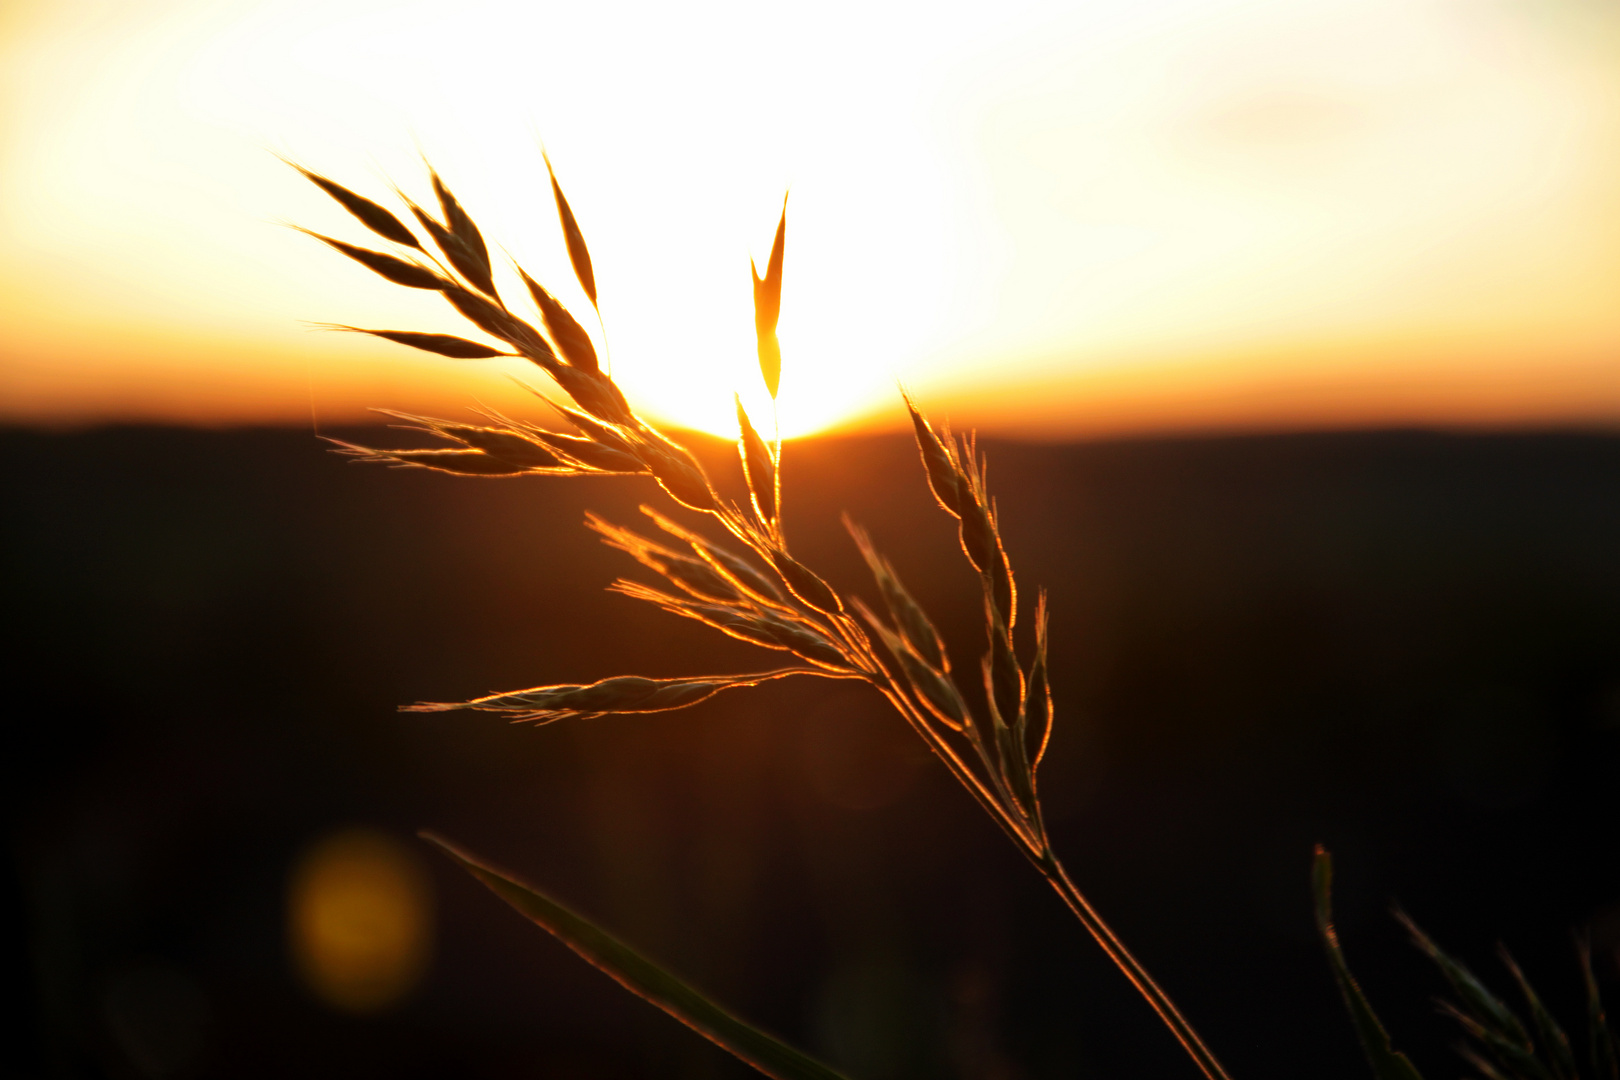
765 596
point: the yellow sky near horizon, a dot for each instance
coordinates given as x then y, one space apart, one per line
1049 219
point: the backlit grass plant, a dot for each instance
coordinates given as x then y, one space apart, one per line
752 587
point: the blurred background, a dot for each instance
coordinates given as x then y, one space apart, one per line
1403 645
1292 332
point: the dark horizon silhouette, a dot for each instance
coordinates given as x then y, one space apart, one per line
1402 644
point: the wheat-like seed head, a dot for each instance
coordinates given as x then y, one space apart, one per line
766 597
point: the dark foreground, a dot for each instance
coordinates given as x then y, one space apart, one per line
1406 646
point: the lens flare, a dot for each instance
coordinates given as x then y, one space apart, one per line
360 920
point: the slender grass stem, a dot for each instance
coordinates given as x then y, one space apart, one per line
1051 869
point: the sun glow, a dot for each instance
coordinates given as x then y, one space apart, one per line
1112 207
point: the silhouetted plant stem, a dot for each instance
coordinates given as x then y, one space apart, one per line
1103 934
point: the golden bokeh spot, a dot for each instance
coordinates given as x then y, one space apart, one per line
359 920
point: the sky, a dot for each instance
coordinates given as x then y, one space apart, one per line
1045 219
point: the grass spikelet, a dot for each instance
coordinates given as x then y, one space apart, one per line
1036 716
607 697
1004 678
369 214
607 434
467 251
679 473
444 344
688 572
595 393
579 256
751 623
768 308
803 583
938 462
572 341
463 462
736 568
396 270
759 466
498 322
908 615
510 447
456 252
591 454
933 688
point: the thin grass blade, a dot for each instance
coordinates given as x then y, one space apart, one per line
1485 1006
636 973
1387 1063
1554 1043
1600 1044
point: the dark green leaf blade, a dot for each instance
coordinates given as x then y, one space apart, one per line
578 254
1387 1063
642 977
1502 1030
1554 1043
1601 1048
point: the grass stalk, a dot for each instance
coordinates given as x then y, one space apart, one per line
763 595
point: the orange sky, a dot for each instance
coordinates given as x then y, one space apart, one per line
1048 218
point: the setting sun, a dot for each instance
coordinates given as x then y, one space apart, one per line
1054 218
